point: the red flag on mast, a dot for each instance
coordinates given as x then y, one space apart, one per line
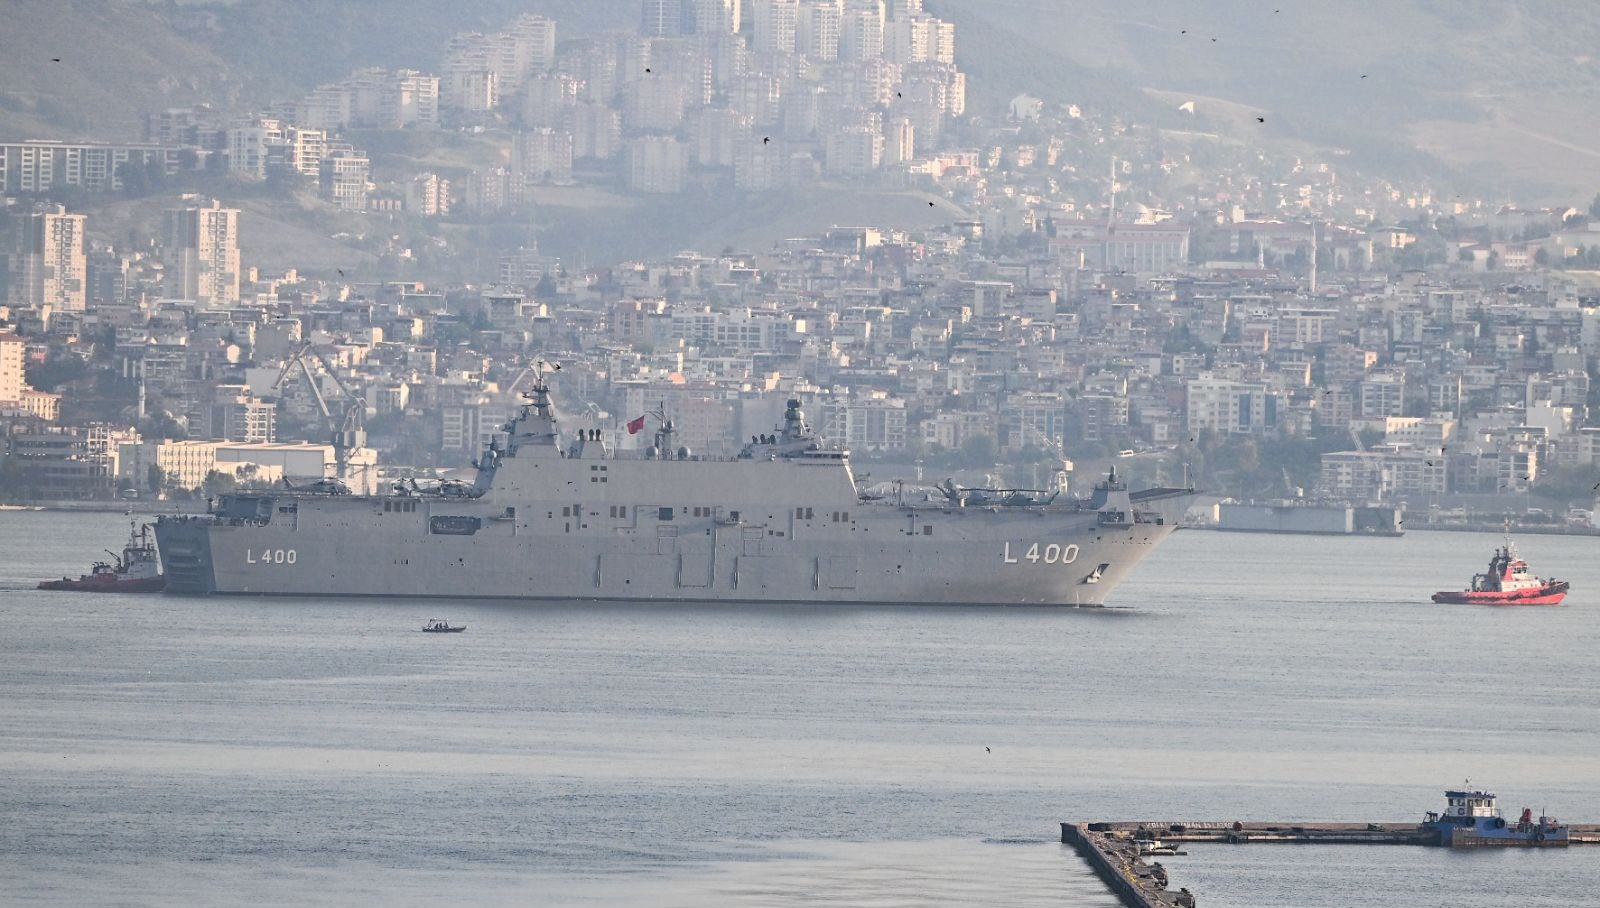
635 425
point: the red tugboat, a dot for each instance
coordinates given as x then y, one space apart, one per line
136 570
1507 582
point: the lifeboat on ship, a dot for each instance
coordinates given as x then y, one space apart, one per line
1507 582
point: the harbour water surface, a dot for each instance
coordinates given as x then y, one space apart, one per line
161 750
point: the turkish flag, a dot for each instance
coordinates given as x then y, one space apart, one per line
634 426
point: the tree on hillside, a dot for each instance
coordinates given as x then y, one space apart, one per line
1594 206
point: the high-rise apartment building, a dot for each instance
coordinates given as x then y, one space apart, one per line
661 18
860 35
657 164
817 30
548 98
542 155
202 253
919 39
48 265
716 17
525 49
774 24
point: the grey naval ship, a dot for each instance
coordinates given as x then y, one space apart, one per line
560 516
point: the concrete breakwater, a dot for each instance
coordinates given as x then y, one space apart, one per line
1120 864
1114 853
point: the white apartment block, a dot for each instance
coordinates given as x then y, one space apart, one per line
853 152
373 98
817 30
201 250
716 17
48 265
657 164
542 156
775 23
39 166
875 422
345 177
1383 394
258 144
1223 405
1382 474
468 83
860 35
547 99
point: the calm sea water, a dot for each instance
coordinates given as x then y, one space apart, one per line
161 750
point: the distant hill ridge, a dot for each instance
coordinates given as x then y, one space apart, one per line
1512 85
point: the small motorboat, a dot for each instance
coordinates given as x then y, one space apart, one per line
1507 582
136 570
437 626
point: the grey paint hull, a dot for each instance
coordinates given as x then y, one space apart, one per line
334 547
554 518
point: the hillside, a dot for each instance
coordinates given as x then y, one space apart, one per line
1505 90
120 59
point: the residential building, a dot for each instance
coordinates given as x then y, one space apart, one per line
1224 405
201 251
542 156
657 164
345 177
47 264
775 23
38 166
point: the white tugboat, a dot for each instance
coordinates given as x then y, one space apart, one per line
1472 819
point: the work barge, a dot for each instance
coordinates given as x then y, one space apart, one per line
1122 854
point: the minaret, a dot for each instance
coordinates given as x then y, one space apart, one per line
1111 217
1313 282
1111 209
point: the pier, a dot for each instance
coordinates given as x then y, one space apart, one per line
1113 852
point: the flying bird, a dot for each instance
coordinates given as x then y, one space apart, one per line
647 69
1261 119
987 751
766 140
930 204
55 59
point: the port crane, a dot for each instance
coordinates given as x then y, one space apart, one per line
346 432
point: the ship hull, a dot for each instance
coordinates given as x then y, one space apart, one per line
1549 595
985 556
142 585
1497 599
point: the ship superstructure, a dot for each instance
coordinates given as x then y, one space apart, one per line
558 515
1507 582
1472 819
